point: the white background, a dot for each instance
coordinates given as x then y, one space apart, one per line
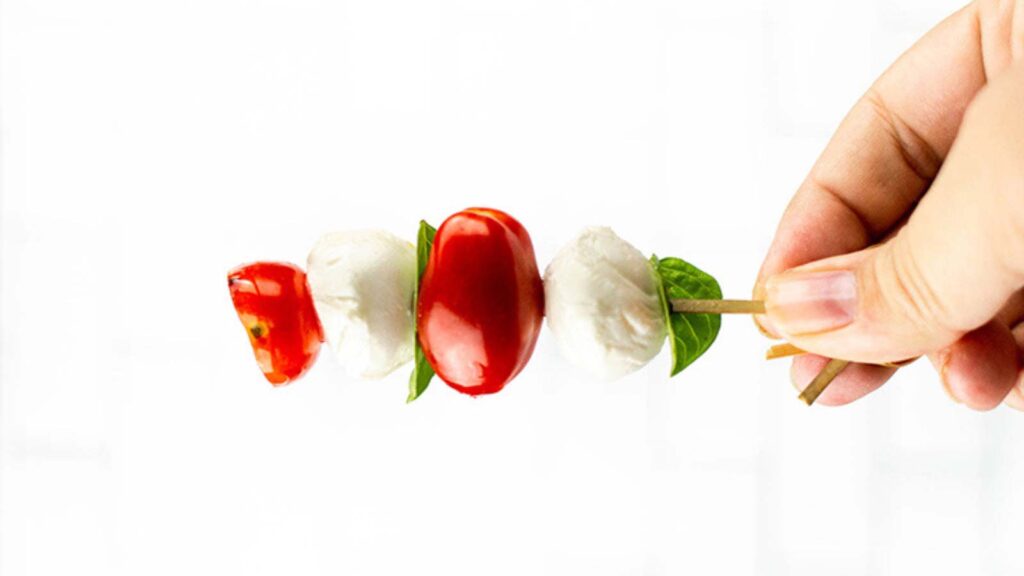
149 146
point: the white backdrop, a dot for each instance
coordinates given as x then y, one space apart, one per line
149 146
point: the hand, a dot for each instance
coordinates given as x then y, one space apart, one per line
907 237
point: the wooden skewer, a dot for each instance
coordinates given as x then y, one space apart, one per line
783 350
687 306
820 382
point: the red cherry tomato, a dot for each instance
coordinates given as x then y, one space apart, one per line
273 302
481 301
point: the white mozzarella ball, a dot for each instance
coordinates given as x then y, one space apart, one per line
363 284
602 304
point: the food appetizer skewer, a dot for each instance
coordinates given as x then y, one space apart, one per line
467 302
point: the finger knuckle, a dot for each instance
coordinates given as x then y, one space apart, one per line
905 292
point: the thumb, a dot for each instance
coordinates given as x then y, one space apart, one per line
948 271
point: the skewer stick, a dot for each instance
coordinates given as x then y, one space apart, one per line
783 350
688 306
822 380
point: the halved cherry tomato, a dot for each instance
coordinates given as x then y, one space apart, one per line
481 301
274 304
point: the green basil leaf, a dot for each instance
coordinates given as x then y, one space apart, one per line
422 371
424 241
690 335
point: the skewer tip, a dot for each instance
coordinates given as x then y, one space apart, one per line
822 380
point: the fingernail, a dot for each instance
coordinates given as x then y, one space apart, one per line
944 359
809 302
764 325
1015 399
899 363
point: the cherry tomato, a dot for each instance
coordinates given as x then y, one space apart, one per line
274 304
481 301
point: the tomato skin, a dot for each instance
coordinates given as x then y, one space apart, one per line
274 304
481 301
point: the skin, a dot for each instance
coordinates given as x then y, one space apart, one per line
920 195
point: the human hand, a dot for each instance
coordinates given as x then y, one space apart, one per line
907 237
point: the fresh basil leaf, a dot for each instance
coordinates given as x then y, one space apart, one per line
422 371
424 241
690 335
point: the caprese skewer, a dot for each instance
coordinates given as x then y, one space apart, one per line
467 303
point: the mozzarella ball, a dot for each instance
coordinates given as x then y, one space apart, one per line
363 284
602 304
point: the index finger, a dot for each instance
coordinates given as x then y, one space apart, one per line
887 149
